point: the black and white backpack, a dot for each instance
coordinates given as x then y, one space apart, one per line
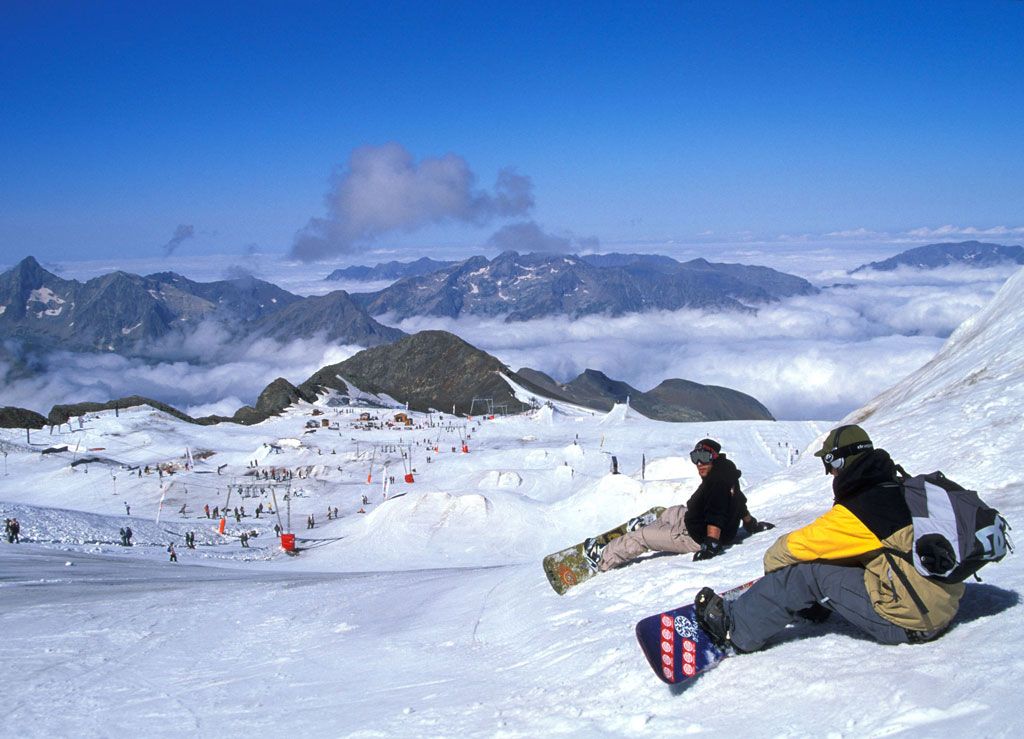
955 532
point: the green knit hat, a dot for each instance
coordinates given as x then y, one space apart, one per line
843 446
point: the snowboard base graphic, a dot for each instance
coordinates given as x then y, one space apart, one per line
676 647
571 566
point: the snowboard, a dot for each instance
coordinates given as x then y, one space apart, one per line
676 647
571 566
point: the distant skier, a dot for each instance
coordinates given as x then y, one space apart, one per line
206 510
182 509
277 529
708 521
244 538
174 554
124 539
127 536
127 509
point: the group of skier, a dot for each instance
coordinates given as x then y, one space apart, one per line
840 563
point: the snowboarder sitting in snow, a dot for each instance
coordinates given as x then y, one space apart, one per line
705 525
839 563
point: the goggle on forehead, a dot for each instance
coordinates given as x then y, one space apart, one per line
703 455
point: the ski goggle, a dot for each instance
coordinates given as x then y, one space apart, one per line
832 464
702 455
835 459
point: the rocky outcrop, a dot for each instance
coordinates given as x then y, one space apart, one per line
428 370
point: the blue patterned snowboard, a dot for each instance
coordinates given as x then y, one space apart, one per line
675 646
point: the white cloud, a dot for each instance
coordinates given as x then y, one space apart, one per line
807 357
966 232
384 190
244 370
527 237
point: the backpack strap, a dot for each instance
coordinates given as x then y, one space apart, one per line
905 581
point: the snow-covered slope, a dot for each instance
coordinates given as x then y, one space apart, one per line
429 614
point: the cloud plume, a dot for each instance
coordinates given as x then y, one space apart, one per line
527 237
182 233
383 190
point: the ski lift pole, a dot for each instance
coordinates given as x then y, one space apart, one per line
407 460
277 510
224 512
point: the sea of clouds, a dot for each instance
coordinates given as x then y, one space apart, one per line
809 357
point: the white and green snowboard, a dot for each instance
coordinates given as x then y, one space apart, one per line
571 566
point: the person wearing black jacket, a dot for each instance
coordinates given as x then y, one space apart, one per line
704 526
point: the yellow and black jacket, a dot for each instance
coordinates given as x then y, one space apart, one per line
869 526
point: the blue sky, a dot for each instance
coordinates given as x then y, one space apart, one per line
638 125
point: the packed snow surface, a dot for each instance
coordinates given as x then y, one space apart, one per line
424 610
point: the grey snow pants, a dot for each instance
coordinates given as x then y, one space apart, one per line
667 534
773 601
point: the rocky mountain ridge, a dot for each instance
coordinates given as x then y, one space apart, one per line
522 287
933 256
127 314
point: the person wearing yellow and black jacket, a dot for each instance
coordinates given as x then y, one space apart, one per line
853 560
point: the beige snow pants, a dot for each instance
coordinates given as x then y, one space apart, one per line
667 534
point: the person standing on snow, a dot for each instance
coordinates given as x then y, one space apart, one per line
705 525
174 554
841 563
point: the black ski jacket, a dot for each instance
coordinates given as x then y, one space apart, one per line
718 501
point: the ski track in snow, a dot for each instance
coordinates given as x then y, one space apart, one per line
430 615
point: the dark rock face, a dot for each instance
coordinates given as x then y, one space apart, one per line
65 412
430 369
20 418
673 400
932 256
127 314
523 287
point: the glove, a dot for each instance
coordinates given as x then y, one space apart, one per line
756 527
710 548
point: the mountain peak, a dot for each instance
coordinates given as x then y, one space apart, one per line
29 271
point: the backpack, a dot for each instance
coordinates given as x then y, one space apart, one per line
955 532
